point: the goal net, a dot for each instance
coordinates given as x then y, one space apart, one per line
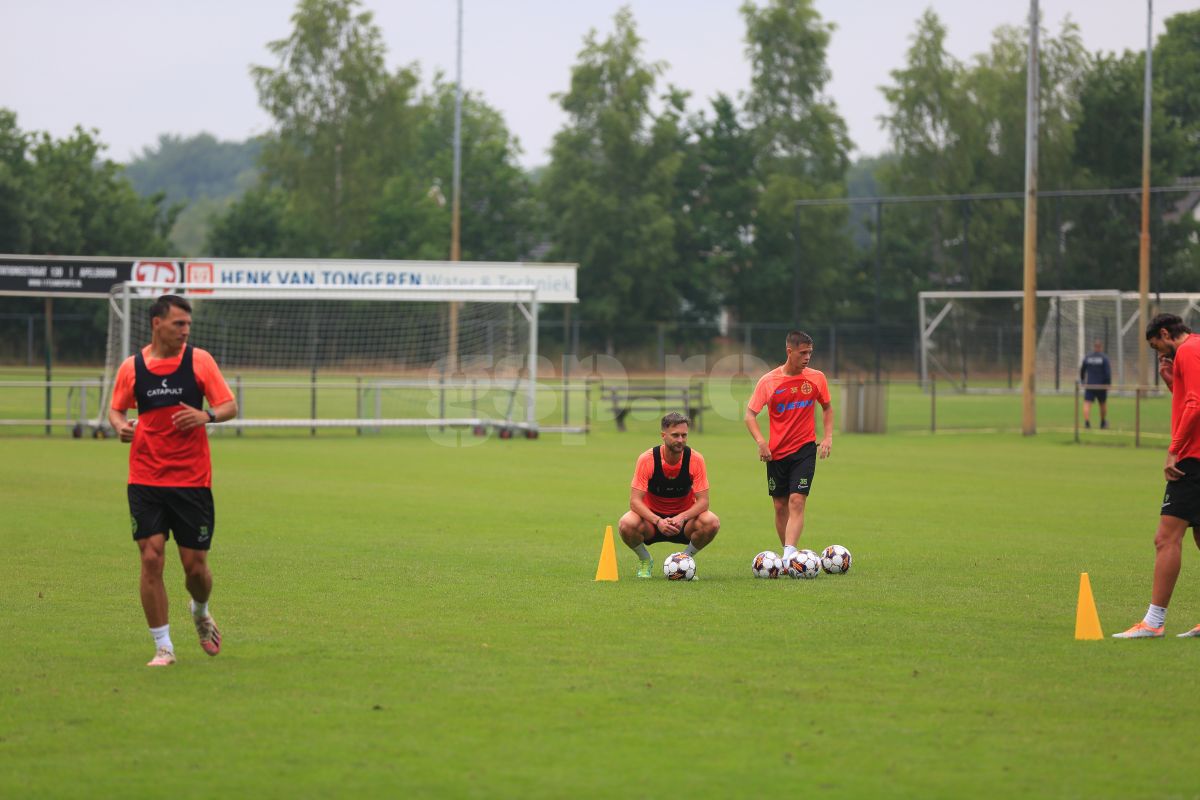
973 339
355 357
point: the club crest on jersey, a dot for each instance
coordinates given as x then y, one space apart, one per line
806 387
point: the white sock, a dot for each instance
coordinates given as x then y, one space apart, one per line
642 552
199 610
789 550
690 551
162 637
1155 616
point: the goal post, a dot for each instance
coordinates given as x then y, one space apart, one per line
973 337
365 357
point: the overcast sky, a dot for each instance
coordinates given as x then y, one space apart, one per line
136 68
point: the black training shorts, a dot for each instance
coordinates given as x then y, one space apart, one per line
678 538
1099 395
185 511
1182 497
792 474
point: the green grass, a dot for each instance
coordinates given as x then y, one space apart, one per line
404 618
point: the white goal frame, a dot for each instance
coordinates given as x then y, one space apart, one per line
524 298
1128 328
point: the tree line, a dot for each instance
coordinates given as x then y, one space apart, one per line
677 210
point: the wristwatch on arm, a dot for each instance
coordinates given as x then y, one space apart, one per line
212 418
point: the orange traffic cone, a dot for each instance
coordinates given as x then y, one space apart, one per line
607 569
1087 621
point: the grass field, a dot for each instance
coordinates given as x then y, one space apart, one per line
403 618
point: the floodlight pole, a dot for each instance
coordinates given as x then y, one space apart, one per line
1029 316
456 191
1143 362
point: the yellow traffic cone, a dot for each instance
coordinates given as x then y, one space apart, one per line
607 570
1087 621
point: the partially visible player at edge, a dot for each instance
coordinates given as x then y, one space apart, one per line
170 471
668 499
791 393
1179 366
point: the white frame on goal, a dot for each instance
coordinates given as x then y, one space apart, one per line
523 297
1120 299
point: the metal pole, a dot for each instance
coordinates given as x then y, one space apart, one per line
126 325
1076 412
1144 243
1120 341
1029 332
531 409
878 290
924 342
1137 417
796 272
456 192
49 306
933 406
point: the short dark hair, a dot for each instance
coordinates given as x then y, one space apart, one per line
797 338
162 306
675 418
1172 322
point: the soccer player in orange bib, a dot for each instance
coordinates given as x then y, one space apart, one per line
791 393
170 472
668 499
1179 366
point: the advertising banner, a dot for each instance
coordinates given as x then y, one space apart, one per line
50 275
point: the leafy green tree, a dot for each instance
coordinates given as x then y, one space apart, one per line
937 132
344 123
716 197
15 231
256 225
200 171
609 187
61 197
802 151
1177 78
188 168
412 219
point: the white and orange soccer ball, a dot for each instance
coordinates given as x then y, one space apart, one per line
836 560
679 567
803 564
767 564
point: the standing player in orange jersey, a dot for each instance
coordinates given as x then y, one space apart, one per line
1179 366
170 471
668 499
791 393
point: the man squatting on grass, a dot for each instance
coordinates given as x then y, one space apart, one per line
791 391
1179 365
170 471
668 499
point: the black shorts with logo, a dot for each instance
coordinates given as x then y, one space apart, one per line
185 511
678 538
792 474
1182 497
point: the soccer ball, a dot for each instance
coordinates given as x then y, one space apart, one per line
768 564
679 567
804 564
836 559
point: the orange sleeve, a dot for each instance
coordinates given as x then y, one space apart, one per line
122 397
761 395
699 473
209 378
643 472
823 392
